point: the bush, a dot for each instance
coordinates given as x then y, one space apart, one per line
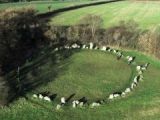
56 36
21 38
149 41
92 23
125 34
20 35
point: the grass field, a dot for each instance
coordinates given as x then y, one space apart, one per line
90 74
145 13
42 6
93 74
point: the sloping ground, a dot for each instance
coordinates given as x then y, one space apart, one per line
145 13
142 103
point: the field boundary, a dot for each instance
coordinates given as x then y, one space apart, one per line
47 15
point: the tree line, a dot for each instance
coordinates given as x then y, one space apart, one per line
126 34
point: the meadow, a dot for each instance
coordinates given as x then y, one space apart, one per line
145 13
42 6
90 73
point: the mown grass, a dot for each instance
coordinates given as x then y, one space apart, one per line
145 13
94 74
42 6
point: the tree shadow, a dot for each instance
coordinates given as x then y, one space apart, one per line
53 97
83 99
38 72
70 97
39 104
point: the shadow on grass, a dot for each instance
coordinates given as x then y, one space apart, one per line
70 97
39 104
40 71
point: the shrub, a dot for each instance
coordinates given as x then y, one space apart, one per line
125 34
20 35
91 23
56 35
149 42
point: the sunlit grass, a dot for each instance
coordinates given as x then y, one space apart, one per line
42 6
146 14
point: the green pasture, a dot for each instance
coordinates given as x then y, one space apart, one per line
42 6
145 13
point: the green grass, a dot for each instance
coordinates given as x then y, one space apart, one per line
146 14
92 74
42 6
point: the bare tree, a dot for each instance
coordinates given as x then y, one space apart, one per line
149 41
125 34
93 23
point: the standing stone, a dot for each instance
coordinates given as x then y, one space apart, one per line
84 46
103 48
90 45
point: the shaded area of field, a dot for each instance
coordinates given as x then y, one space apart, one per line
146 14
34 73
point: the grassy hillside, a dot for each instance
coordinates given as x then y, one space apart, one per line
42 6
92 74
146 13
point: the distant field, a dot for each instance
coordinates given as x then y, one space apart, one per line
43 6
144 13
